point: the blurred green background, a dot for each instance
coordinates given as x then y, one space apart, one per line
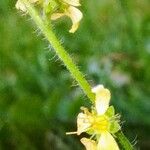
38 99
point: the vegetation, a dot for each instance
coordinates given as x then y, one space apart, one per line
37 103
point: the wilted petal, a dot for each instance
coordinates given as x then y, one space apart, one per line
102 99
72 2
76 16
57 15
107 142
89 144
20 5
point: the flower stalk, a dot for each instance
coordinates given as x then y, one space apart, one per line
60 51
46 29
123 141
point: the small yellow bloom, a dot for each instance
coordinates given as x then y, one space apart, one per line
97 123
72 12
55 10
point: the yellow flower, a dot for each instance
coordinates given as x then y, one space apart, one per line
97 123
20 5
70 11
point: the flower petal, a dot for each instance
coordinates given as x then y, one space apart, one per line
72 2
102 99
55 16
107 142
83 123
89 144
76 16
20 5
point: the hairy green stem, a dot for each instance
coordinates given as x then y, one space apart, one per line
123 141
46 29
60 51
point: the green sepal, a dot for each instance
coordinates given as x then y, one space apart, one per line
110 111
50 6
90 132
114 127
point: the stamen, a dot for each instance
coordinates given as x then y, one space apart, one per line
69 133
115 117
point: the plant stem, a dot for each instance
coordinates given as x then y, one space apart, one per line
123 141
60 51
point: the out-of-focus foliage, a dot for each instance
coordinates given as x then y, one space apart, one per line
38 103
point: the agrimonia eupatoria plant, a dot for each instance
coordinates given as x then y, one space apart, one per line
100 123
